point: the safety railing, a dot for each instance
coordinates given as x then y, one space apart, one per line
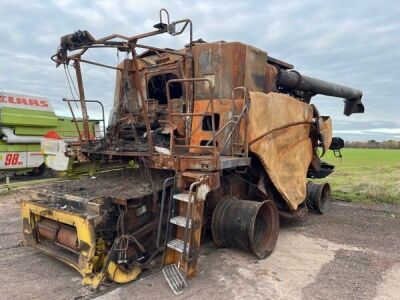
243 147
233 125
78 129
209 111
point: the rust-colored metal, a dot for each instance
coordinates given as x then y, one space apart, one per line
58 233
274 107
48 229
100 65
75 120
85 117
68 237
229 121
270 78
210 106
142 98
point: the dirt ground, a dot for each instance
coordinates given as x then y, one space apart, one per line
353 252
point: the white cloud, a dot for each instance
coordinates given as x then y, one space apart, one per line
385 130
370 131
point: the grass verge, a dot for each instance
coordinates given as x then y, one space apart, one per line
366 175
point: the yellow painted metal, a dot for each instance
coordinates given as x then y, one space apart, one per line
32 212
92 254
115 273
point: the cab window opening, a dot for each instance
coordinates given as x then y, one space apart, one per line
156 88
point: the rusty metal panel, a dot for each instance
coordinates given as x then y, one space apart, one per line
222 108
279 133
254 69
228 65
270 75
327 131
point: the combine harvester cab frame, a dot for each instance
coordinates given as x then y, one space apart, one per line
216 132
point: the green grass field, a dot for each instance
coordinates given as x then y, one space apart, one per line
367 175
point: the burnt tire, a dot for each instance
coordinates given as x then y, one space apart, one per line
319 196
38 171
249 225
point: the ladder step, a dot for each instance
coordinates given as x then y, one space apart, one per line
182 197
174 278
180 221
176 245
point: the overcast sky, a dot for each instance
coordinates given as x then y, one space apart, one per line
356 43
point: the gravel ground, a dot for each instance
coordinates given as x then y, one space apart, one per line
352 252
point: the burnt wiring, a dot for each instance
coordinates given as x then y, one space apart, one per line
123 247
125 239
68 76
147 173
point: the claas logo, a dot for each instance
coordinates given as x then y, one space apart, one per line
24 101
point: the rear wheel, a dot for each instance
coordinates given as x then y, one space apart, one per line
38 171
324 203
249 225
319 196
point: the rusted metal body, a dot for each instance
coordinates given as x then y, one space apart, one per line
80 221
226 120
55 232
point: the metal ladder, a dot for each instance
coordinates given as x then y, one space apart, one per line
182 249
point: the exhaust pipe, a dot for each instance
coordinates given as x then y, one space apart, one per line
11 138
294 81
249 225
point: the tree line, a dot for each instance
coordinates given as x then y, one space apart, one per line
390 144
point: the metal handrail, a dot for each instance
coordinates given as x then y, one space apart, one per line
243 115
190 114
189 218
166 13
143 106
171 130
109 41
89 101
164 190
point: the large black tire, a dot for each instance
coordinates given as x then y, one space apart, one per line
38 171
319 196
249 225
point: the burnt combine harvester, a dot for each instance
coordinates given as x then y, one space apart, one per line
224 138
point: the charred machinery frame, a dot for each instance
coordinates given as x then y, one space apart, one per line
224 135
